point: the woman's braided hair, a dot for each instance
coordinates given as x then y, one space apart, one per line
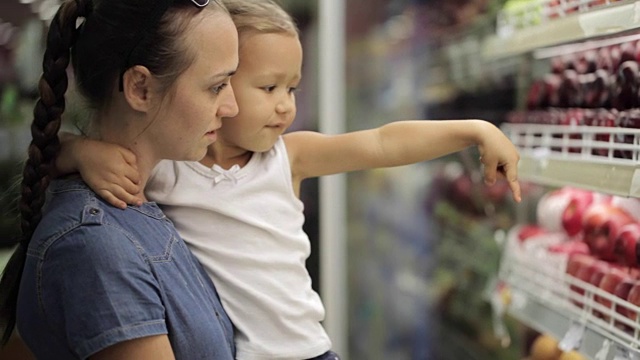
43 148
112 24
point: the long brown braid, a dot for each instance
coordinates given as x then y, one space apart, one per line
42 150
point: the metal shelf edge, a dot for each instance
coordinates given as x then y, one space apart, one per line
612 179
606 21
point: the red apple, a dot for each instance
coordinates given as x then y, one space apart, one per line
614 55
627 51
550 208
626 245
552 84
622 291
576 261
608 283
554 9
629 204
570 247
569 94
575 264
579 202
604 118
601 225
586 62
625 91
600 89
637 57
589 273
634 298
557 65
627 119
537 96
604 60
527 231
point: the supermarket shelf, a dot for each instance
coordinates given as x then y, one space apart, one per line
544 298
619 180
545 319
612 19
558 155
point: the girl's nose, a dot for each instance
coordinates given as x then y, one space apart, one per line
286 105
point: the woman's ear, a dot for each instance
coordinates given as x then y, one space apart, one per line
137 84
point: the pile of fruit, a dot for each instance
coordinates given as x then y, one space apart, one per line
600 236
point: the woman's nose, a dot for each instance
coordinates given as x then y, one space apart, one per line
229 106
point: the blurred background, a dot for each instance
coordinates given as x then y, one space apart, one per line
422 245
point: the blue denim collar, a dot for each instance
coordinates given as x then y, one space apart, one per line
150 208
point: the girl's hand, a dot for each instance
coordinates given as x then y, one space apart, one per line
110 170
500 159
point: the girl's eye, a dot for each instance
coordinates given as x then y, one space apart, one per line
217 89
270 88
293 89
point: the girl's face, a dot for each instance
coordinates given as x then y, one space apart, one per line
269 72
191 113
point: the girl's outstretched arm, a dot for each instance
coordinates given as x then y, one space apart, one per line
401 143
109 169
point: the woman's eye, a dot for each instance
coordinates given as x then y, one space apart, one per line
217 89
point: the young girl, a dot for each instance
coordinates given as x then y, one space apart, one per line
238 208
89 280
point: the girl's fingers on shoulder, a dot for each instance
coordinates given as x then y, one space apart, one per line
130 187
131 175
111 199
128 156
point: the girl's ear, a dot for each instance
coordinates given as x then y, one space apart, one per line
137 84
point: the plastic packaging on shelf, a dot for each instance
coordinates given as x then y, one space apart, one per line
519 14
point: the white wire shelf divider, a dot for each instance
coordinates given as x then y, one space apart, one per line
603 159
548 300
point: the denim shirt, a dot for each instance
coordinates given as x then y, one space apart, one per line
96 276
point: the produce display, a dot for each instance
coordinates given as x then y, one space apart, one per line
594 94
466 216
584 249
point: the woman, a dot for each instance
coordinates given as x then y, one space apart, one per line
99 281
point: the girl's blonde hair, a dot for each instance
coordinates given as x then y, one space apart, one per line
262 16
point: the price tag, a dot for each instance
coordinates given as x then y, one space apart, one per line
622 353
500 299
604 351
573 338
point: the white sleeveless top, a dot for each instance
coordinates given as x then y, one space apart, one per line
245 227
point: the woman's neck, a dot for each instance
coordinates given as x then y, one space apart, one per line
125 131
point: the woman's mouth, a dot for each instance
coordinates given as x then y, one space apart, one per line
212 135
